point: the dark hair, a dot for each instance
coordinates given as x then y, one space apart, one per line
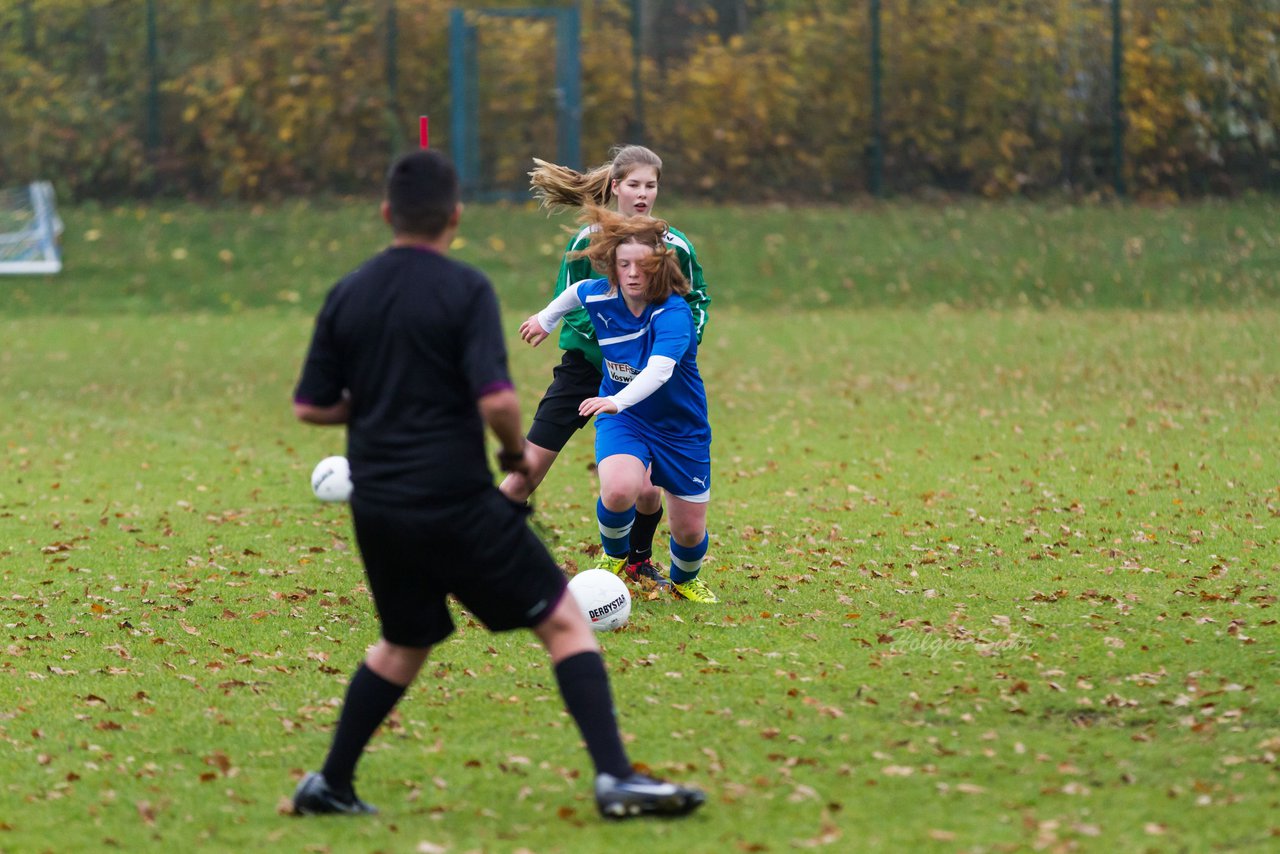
422 193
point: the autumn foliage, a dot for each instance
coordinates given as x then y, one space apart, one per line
248 98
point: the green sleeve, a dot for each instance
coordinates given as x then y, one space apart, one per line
698 299
577 333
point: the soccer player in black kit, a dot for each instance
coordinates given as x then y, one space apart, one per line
408 353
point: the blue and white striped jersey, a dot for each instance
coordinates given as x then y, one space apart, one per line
677 409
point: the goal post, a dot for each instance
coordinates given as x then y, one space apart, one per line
29 230
468 143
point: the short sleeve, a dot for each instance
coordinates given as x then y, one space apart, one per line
322 381
484 352
672 330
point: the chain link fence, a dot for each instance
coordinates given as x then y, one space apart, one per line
746 99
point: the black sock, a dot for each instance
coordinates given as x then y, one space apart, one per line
642 531
584 684
370 698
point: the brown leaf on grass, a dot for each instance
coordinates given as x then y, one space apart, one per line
513 765
218 760
146 812
801 793
828 834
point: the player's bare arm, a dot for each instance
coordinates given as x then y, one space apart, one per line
338 413
501 412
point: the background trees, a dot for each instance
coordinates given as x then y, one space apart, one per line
747 99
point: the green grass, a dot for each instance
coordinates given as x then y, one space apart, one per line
992 578
967 255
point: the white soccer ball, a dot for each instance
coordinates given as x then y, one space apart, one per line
603 598
331 479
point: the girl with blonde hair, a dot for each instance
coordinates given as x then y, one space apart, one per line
629 184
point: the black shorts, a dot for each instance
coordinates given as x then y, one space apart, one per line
479 549
573 381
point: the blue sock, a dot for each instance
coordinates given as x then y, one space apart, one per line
686 561
615 529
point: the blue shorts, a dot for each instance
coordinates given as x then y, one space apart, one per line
681 467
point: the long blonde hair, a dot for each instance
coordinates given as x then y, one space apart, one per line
558 187
611 229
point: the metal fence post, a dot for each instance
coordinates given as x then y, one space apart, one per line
1117 104
569 84
637 59
463 97
153 83
28 29
393 78
877 111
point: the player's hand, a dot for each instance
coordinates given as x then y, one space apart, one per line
531 331
596 405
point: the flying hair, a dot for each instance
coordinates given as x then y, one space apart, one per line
559 187
611 229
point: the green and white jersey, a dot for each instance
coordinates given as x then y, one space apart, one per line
578 333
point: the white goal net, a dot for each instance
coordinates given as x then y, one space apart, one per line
29 230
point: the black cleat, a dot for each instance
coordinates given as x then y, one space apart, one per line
637 795
314 797
644 569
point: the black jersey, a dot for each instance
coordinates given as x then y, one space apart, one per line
416 339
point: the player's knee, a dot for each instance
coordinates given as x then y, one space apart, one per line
396 663
650 499
565 630
689 536
617 496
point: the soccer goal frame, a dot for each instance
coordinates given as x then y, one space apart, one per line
464 92
29 231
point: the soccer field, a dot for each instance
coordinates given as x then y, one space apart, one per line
992 578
